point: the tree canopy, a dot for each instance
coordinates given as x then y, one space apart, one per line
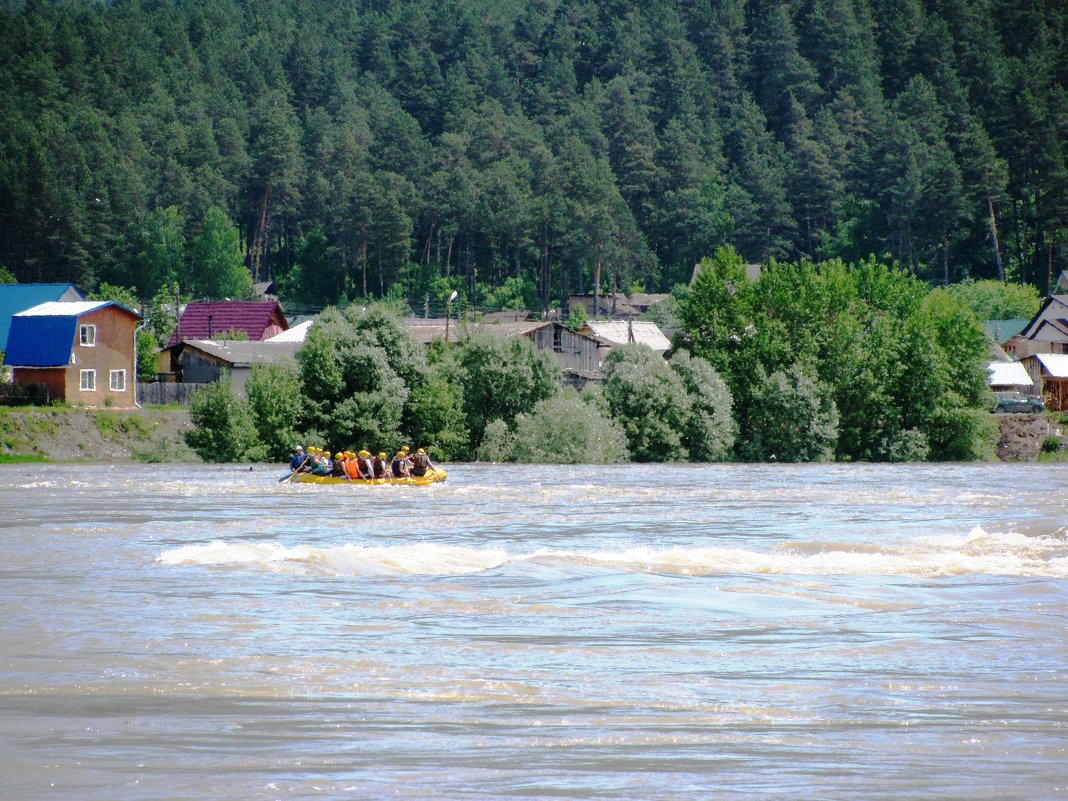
520 152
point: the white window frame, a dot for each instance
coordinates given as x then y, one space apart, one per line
87 336
118 380
87 380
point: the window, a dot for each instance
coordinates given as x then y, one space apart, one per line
87 335
88 380
558 340
118 380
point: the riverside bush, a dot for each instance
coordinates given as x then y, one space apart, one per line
223 428
793 418
501 379
670 412
276 402
566 429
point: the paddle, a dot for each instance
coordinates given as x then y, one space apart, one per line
286 478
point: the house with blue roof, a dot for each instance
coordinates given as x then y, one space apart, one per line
83 352
19 297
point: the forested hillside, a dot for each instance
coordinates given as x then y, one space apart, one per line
513 149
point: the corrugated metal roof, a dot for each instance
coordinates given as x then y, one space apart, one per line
426 330
40 341
64 308
240 353
1055 364
14 298
251 317
297 333
1008 374
1004 330
620 332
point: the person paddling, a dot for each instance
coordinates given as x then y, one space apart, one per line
421 463
297 459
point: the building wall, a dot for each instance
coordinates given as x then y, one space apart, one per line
574 351
273 330
197 367
55 378
113 350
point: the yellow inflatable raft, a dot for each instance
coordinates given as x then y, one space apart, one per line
433 475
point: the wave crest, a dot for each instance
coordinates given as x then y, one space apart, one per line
977 553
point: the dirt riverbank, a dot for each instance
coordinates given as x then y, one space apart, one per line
96 435
1022 436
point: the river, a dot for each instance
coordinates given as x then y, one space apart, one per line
631 632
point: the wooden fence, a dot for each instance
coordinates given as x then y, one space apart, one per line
159 393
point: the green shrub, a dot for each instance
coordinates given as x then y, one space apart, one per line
568 430
223 429
650 402
502 378
793 418
276 402
434 417
710 430
498 443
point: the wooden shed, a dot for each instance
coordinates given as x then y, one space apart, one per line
198 361
574 350
1049 371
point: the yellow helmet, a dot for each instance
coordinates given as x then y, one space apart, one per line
400 454
382 455
326 454
350 455
405 449
420 451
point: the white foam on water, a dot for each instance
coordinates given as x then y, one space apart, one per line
976 553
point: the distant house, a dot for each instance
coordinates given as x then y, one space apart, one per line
1047 331
610 304
265 290
19 297
753 272
255 319
83 351
297 333
1049 371
1003 331
198 361
643 301
1008 377
508 316
1061 286
576 352
620 332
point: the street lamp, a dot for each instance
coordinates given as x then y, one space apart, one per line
448 312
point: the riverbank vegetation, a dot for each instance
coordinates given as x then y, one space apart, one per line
513 151
807 363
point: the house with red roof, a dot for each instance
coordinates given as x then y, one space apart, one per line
214 320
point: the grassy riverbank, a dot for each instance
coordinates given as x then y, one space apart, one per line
157 434
94 435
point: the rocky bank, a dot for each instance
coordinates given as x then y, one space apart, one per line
1022 435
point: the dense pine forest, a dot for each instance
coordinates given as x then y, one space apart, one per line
519 151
